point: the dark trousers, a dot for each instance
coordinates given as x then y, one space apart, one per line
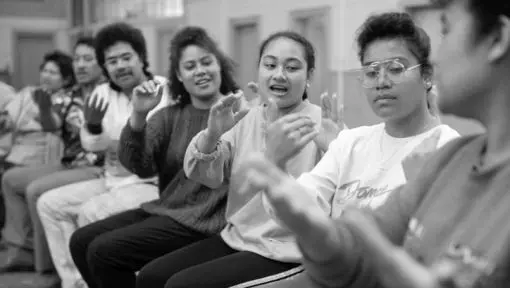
109 252
209 263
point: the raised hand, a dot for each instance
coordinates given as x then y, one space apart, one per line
332 121
294 206
413 163
94 110
393 266
287 136
225 114
147 96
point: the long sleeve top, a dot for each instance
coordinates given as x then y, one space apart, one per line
249 226
159 149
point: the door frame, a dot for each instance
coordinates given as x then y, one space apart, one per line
242 21
16 35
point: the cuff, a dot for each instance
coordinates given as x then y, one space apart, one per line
94 129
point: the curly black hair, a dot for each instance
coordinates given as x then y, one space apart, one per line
307 47
395 25
65 65
192 35
120 32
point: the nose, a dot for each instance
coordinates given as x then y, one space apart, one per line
382 79
80 63
279 74
200 70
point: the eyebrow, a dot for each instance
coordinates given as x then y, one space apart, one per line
401 58
286 60
199 59
121 55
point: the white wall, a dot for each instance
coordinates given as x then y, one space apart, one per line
345 18
10 25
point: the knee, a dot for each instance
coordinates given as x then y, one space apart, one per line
179 280
33 192
99 249
150 276
9 180
80 242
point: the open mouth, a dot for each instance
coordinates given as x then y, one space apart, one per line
202 82
278 89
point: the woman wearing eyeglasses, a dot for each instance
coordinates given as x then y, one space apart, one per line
364 165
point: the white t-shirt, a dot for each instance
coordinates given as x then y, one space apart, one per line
361 167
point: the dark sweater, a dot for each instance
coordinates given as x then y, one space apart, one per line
159 149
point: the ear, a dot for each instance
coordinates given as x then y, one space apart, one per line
500 40
178 75
309 76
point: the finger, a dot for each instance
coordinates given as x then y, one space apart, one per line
298 124
92 101
393 265
240 115
228 101
325 105
254 87
160 89
334 109
307 138
152 86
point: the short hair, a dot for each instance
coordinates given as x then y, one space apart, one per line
307 48
120 32
86 41
396 25
192 35
64 63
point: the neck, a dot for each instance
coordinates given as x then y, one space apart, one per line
204 104
129 90
416 123
87 88
495 117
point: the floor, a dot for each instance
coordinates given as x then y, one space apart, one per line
28 280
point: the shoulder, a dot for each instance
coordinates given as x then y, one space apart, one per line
447 134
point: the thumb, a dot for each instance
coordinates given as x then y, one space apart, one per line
254 87
240 114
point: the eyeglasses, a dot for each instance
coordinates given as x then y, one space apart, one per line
393 69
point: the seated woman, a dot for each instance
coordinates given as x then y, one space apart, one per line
30 122
448 226
110 251
121 52
22 186
364 165
252 245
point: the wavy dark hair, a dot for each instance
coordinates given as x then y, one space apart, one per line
197 36
120 32
65 64
307 48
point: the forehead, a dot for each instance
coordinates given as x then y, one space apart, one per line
83 49
194 52
384 49
118 49
284 48
50 65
